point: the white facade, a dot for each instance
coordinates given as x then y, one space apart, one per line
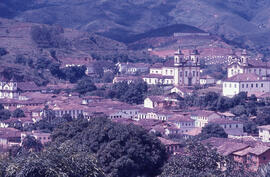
207 80
231 88
8 90
202 118
184 71
148 103
264 133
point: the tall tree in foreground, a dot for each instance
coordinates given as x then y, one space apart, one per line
122 150
59 161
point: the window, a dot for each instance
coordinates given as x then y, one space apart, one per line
235 86
243 85
257 85
171 71
186 73
247 85
261 84
236 125
193 73
230 85
251 85
181 73
197 73
225 85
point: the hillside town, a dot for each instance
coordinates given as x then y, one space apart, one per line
163 111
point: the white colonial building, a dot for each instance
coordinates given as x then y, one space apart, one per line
264 133
182 71
250 83
243 64
8 89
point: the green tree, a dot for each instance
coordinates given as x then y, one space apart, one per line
133 93
212 130
201 161
1 107
18 113
3 52
30 143
67 117
74 73
4 114
122 150
238 110
85 85
64 160
263 116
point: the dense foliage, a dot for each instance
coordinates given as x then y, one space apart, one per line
122 150
48 36
133 93
212 130
65 160
85 85
201 161
3 51
18 113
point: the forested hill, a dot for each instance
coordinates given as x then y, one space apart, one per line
163 32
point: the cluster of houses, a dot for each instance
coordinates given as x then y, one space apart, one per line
159 114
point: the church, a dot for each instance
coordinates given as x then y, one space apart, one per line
8 89
182 71
244 65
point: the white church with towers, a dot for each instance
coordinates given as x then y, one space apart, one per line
244 64
246 75
183 70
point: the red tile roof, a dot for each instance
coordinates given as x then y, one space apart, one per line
168 142
246 77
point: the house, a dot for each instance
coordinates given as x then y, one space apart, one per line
91 99
226 115
203 117
128 79
16 122
254 157
250 83
132 68
72 109
182 91
207 80
231 127
28 87
171 146
183 123
15 103
159 102
41 136
264 133
9 137
156 79
252 154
